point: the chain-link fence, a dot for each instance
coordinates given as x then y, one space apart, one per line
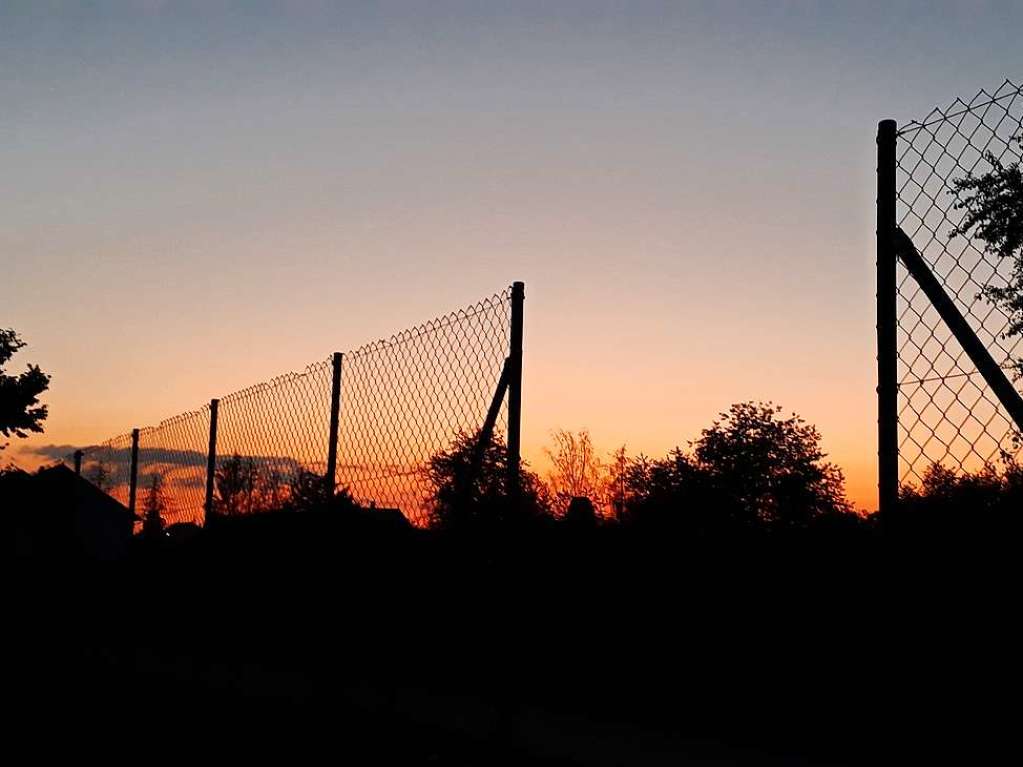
108 466
172 467
947 413
405 397
397 402
269 436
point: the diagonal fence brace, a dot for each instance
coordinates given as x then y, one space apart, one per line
953 318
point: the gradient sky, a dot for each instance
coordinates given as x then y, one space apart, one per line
197 196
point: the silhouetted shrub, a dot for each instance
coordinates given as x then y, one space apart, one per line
984 503
237 481
470 486
750 471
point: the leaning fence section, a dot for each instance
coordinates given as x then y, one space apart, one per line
407 397
946 412
365 421
270 436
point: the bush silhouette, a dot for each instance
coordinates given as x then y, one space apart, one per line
469 486
752 470
985 503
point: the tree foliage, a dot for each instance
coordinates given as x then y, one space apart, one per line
617 482
469 486
993 212
987 501
20 411
237 481
751 470
576 471
154 506
768 467
307 491
245 485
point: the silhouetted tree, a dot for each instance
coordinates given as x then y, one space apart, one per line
307 491
20 411
671 492
153 507
769 470
273 492
244 488
471 487
576 470
617 482
10 470
236 481
993 205
751 470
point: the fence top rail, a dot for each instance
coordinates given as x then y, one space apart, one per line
121 440
277 381
432 326
959 107
174 420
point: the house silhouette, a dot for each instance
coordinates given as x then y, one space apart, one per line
57 514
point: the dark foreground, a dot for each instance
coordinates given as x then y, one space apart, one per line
315 636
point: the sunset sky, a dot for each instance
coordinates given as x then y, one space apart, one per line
197 196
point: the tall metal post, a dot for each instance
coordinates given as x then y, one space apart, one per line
211 460
133 475
887 321
335 421
518 298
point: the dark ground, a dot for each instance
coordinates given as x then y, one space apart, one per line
309 637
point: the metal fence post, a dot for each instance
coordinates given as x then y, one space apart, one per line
518 298
211 461
78 462
133 475
335 420
887 321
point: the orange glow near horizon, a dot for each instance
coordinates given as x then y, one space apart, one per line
861 493
650 414
649 438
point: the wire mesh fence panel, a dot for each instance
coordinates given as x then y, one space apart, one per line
108 466
947 414
172 467
405 398
268 435
401 401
